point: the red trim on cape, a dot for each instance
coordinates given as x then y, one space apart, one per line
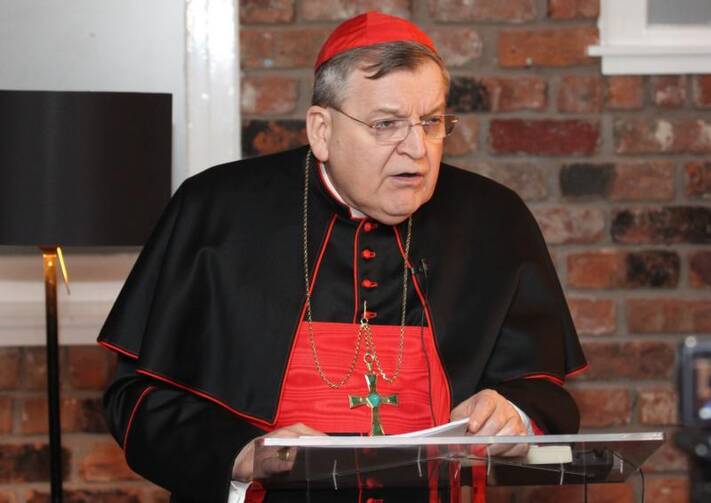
133 413
555 379
118 349
577 371
547 377
255 421
356 295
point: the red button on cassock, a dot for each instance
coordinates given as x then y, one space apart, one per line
367 254
367 283
369 226
369 315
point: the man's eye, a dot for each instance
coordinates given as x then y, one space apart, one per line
386 124
433 121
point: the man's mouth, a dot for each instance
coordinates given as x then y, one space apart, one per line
408 175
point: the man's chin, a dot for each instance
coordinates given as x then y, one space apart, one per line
397 215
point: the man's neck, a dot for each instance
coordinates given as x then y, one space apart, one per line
355 213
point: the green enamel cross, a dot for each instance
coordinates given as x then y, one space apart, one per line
373 400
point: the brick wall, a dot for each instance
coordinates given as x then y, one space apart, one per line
614 168
94 468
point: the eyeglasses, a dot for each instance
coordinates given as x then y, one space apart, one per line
389 131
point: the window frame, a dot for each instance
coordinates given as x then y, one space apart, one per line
631 47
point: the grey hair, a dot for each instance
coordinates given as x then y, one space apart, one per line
377 60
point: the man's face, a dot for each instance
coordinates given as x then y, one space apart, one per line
386 182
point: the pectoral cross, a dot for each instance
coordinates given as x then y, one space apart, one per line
373 400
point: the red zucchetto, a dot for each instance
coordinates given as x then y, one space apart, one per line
369 29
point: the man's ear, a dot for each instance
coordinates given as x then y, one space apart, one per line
318 130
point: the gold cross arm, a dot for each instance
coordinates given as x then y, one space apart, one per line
373 400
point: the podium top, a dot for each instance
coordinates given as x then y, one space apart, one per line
396 441
332 461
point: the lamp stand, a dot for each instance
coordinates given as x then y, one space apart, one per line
49 259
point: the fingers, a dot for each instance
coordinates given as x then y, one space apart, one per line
270 460
300 429
490 414
276 460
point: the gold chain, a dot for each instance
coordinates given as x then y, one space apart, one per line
370 355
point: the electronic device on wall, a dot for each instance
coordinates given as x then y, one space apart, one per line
694 436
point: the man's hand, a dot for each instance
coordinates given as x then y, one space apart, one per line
491 414
270 460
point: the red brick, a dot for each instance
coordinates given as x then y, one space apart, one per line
457 46
700 269
643 180
514 11
671 224
293 48
629 360
525 178
666 490
125 495
572 9
465 137
657 407
336 10
266 11
656 136
546 47
90 367
666 458
702 91
604 269
668 315
624 92
269 94
496 94
34 363
105 463
580 94
596 493
569 224
28 463
507 94
5 415
586 179
9 368
669 91
265 137
627 181
544 137
77 415
617 269
593 316
603 407
698 179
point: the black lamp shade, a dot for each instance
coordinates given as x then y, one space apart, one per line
83 168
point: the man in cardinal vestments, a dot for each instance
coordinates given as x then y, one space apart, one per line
356 285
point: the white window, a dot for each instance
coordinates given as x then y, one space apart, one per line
654 36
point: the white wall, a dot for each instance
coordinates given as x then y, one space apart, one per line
188 48
98 45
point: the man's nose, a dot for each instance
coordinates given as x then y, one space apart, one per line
414 143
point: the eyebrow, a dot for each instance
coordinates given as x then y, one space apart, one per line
394 111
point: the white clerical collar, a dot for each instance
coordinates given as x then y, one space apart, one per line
329 185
